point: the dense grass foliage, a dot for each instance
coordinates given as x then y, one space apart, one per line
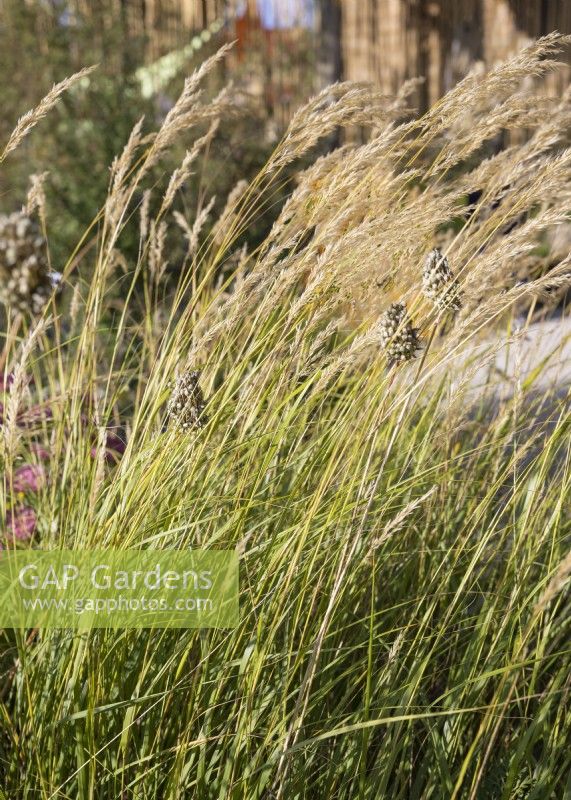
404 541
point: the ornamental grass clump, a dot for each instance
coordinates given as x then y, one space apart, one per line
404 542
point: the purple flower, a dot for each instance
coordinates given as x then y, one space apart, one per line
29 478
115 443
21 523
40 452
114 448
6 381
37 413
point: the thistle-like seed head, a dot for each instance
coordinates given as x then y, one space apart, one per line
185 408
399 338
26 282
438 282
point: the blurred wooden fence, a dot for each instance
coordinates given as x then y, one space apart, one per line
164 24
388 41
383 41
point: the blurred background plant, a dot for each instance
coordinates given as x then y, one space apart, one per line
43 42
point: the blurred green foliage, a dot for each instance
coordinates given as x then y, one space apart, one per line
43 41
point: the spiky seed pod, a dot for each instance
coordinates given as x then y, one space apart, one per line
399 338
26 282
185 408
439 283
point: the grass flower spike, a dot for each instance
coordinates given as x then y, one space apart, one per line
398 336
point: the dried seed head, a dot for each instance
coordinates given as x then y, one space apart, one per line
26 282
185 408
398 337
439 283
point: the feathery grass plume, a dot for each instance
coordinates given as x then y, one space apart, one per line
144 215
26 281
32 117
192 232
399 338
228 216
396 524
341 104
157 240
120 189
99 453
36 199
479 92
439 283
185 408
18 384
556 584
75 306
182 173
187 111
